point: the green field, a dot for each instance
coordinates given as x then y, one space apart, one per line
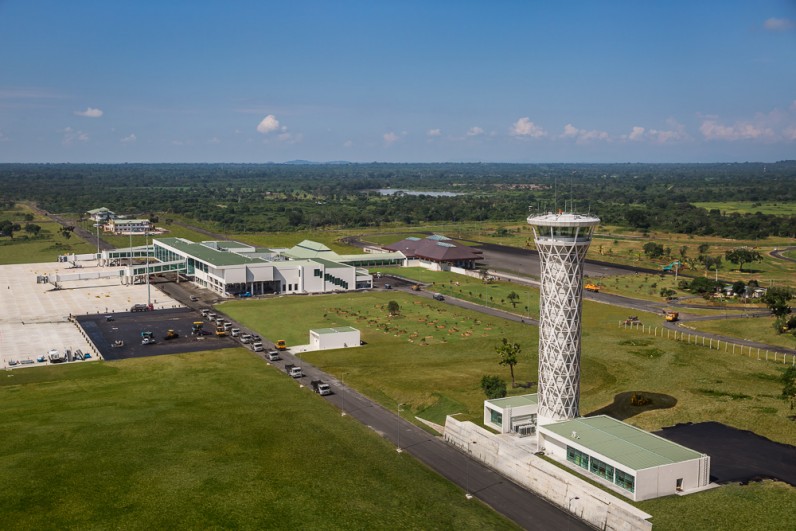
750 207
759 329
26 249
202 441
441 377
434 355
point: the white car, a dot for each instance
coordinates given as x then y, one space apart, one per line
257 347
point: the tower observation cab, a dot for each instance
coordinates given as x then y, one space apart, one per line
562 241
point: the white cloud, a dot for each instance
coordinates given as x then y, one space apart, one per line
475 131
712 129
525 127
268 124
90 112
778 24
129 139
72 135
290 138
583 135
390 138
675 133
437 132
637 133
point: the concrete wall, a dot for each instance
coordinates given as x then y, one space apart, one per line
570 493
662 480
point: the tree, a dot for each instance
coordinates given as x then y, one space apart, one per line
32 228
653 250
683 252
493 387
788 380
7 228
776 299
703 248
743 255
513 298
739 287
509 355
393 308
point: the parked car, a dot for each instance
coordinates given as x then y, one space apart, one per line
194 298
439 297
257 347
245 338
235 332
273 355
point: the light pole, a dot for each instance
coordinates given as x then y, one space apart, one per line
146 249
342 395
467 472
398 425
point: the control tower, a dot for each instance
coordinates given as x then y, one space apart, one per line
562 240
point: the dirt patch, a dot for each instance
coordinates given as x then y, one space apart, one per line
736 455
624 404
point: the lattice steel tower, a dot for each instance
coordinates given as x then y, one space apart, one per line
562 241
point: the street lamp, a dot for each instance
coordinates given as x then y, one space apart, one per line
342 395
399 450
467 473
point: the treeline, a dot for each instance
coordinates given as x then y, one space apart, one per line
269 197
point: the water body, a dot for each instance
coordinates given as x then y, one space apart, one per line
393 191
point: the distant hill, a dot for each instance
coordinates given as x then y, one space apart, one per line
314 163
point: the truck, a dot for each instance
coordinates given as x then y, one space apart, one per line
672 316
220 332
138 308
293 370
321 387
147 338
281 344
592 287
171 334
197 328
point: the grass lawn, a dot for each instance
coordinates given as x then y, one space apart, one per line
494 294
756 329
750 207
206 440
436 354
46 247
441 376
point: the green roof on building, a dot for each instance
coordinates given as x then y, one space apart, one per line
515 401
625 444
208 255
334 330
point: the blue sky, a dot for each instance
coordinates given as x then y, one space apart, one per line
408 81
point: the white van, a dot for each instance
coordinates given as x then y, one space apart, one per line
257 347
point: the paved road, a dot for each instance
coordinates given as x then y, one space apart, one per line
505 497
778 254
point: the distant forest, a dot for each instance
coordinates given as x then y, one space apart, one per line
280 197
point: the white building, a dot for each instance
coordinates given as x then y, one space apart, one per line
232 268
626 459
331 338
127 226
513 414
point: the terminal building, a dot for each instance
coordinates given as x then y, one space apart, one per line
231 268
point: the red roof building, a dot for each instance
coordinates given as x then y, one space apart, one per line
437 249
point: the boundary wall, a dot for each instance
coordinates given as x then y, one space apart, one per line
583 500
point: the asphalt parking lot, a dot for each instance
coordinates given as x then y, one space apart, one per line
127 327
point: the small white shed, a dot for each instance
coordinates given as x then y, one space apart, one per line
329 338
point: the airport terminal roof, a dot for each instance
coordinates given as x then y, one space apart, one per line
206 254
621 442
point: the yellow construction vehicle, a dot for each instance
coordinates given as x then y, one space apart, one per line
220 332
281 345
672 316
592 287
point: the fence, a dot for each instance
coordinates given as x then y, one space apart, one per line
711 343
